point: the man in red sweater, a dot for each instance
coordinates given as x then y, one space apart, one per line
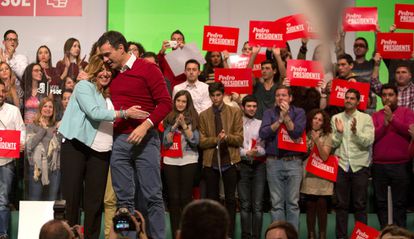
135 155
391 159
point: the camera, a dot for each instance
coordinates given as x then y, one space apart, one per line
173 44
59 210
123 222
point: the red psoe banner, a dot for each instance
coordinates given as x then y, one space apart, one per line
235 80
295 26
395 45
220 38
266 34
285 142
41 8
325 169
340 87
360 19
176 150
9 143
304 73
363 231
404 16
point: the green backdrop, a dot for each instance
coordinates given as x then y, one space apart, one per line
151 22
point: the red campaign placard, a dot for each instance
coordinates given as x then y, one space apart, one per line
235 80
175 151
220 38
266 34
17 8
325 169
295 26
285 142
304 73
360 19
311 31
257 65
9 143
404 16
395 45
362 231
59 8
340 87
239 61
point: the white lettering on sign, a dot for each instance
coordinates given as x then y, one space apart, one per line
361 234
406 16
357 19
318 163
16 3
293 29
301 72
391 45
230 81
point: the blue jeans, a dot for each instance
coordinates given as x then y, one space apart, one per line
131 164
36 188
6 179
251 188
284 178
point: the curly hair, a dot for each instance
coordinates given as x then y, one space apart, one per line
326 125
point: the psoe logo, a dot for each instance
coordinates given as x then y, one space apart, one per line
57 3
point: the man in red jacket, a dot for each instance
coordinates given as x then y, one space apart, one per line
136 148
391 160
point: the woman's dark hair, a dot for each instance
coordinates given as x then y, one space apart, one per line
49 63
27 79
140 47
190 114
326 124
68 45
208 67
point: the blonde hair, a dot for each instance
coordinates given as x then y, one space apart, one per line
95 66
52 119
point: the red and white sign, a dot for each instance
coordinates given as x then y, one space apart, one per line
362 231
175 151
235 80
395 45
284 141
360 19
304 73
239 61
404 16
257 65
41 8
220 38
325 169
340 87
295 26
9 143
266 34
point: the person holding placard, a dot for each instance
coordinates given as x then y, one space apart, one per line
316 189
353 136
181 138
284 166
10 119
214 59
391 161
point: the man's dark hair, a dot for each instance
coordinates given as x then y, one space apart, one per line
362 39
268 61
149 54
192 61
54 229
178 32
216 86
249 98
403 64
67 91
281 86
355 91
389 86
395 230
204 219
114 38
347 57
140 47
8 32
290 230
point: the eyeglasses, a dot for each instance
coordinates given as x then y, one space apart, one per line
12 39
360 46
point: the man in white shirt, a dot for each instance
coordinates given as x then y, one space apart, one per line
10 119
17 62
252 172
197 89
